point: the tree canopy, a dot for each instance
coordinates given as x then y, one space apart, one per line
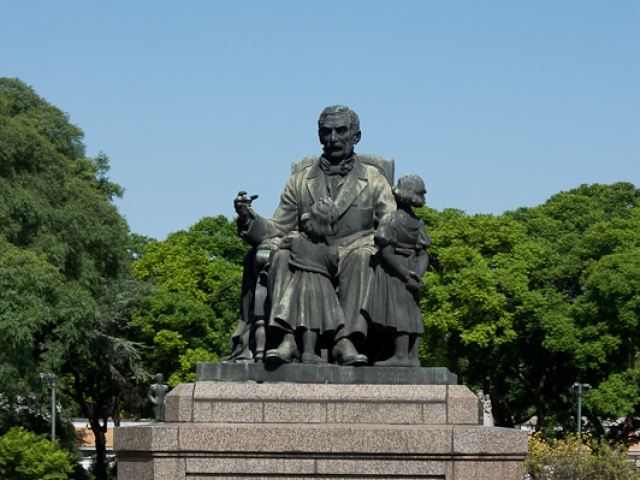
63 250
191 316
525 304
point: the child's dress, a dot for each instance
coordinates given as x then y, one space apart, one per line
309 300
390 303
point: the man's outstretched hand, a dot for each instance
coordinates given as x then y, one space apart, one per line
242 203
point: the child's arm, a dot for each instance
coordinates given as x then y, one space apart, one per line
423 263
388 253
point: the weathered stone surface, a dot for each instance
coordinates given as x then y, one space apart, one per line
332 374
135 469
434 413
462 406
151 438
489 440
326 392
288 412
316 439
504 470
321 431
179 403
380 467
227 411
320 403
169 469
306 477
259 466
381 413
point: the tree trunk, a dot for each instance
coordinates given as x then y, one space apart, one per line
101 447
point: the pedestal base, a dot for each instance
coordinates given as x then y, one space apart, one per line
320 431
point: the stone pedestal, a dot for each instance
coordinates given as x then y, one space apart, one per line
221 429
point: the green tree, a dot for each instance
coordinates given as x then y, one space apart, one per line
27 456
190 317
62 254
524 304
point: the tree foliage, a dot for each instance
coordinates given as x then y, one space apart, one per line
63 259
27 456
525 304
190 317
592 459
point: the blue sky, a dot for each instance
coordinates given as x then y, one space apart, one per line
496 104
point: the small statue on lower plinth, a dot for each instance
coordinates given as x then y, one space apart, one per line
486 408
156 394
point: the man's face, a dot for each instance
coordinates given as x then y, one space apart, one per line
337 138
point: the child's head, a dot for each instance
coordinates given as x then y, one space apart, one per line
323 218
410 190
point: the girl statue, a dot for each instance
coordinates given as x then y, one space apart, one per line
308 306
393 298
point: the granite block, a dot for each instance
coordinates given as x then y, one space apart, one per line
434 413
381 413
146 438
462 406
316 438
179 403
228 411
296 477
380 467
299 392
503 470
202 411
169 468
295 412
490 440
333 374
428 440
251 466
135 469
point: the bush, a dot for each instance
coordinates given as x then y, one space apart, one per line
27 456
567 459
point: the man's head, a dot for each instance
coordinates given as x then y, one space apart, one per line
339 132
159 378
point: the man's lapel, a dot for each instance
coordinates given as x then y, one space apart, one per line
317 183
354 182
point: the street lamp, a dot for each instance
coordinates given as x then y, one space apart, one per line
580 389
50 378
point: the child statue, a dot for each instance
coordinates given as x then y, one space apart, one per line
156 394
393 299
308 306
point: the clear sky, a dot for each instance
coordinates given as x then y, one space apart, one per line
496 104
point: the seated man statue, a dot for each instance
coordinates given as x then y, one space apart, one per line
362 196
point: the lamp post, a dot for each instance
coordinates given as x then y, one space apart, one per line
580 389
50 378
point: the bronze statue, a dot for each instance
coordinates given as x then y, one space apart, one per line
156 394
403 260
362 196
308 305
